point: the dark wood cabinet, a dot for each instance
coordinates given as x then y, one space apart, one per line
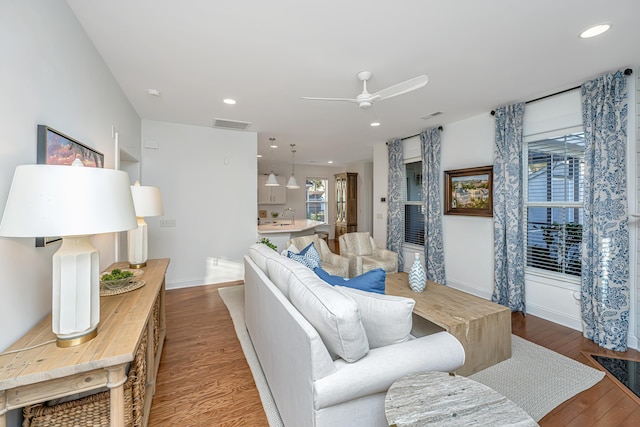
346 203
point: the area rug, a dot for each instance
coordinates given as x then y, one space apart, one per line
233 298
535 378
538 379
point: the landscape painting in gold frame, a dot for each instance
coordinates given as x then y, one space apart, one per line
469 191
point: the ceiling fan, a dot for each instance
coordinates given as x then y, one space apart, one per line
366 99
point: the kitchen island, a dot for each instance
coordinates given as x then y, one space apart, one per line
282 230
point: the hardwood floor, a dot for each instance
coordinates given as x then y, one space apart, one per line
204 379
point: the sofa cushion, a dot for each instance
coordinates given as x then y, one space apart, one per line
280 270
333 314
387 319
309 256
371 281
259 254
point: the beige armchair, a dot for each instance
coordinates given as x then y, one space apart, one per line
333 264
364 255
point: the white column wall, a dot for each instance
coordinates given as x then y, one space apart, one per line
208 181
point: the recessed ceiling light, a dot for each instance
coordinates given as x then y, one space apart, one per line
259 155
330 161
153 92
374 124
229 101
596 30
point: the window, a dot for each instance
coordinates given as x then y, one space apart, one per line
413 207
316 199
554 203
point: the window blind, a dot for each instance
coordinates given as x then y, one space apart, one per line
413 206
554 203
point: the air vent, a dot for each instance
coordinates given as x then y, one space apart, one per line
230 124
428 116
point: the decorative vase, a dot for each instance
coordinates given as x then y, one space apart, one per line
417 276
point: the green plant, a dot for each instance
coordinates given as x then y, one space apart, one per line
563 249
267 242
116 274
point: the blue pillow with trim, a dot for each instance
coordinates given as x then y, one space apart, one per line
371 281
309 257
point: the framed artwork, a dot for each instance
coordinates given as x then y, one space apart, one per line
469 191
56 148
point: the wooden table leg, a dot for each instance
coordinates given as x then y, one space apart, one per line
116 377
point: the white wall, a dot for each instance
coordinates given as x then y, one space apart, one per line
51 74
208 181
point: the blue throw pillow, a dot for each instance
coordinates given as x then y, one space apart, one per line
309 257
372 281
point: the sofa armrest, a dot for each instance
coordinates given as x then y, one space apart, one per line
355 264
382 366
337 260
385 254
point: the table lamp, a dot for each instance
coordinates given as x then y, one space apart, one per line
73 202
148 202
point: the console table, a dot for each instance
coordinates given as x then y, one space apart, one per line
482 327
129 322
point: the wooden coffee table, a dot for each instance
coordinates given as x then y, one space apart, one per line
482 327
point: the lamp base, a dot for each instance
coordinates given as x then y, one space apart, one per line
138 265
71 342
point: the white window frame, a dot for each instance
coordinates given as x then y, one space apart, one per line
561 280
326 199
406 245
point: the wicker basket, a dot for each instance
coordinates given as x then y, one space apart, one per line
94 410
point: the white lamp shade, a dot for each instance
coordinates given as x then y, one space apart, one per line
272 181
55 200
146 200
292 183
74 202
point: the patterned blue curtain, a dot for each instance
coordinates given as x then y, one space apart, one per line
433 245
605 238
507 208
395 214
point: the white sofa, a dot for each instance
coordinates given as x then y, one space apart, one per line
309 385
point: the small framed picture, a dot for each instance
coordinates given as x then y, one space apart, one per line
56 148
469 191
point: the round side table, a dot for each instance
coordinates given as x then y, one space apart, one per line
439 398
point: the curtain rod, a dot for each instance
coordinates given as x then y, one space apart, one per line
412 136
627 72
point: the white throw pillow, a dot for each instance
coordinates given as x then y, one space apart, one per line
280 270
333 314
259 254
386 318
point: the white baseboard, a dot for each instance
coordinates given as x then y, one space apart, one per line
185 284
470 289
555 317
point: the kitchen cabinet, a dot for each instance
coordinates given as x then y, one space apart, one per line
272 195
346 203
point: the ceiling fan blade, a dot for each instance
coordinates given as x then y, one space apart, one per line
400 88
330 99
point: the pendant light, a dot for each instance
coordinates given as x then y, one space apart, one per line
292 184
272 181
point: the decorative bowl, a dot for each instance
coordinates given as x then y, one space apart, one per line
118 283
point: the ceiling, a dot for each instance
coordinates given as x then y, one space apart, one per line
478 54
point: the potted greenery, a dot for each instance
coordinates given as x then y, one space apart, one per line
267 242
